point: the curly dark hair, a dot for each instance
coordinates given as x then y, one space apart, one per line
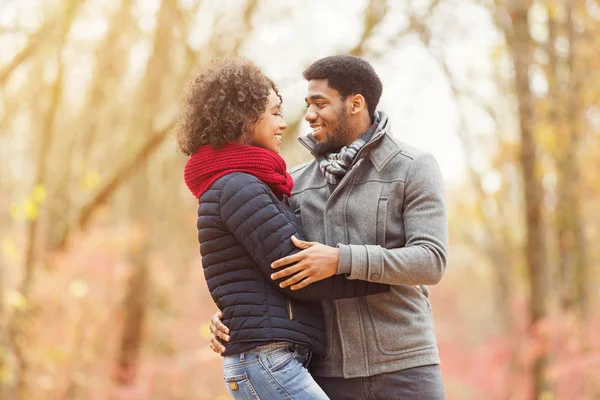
224 102
348 75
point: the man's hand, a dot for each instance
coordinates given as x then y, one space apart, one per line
218 332
314 263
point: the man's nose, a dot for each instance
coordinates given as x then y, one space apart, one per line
310 115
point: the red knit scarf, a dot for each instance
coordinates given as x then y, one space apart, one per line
207 165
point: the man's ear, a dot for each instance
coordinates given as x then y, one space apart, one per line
358 104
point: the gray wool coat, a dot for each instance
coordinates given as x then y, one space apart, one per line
388 218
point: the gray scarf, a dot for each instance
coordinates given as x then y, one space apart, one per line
335 165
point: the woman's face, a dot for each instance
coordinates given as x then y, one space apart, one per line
268 131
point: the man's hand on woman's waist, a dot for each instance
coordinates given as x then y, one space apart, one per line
314 263
218 332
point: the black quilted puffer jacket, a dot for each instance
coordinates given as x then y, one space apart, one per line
242 229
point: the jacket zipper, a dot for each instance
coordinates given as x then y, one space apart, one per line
290 310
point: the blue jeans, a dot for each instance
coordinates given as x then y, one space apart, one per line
271 372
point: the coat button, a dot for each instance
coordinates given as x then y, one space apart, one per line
375 276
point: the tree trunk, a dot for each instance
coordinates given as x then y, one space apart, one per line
18 326
520 44
571 205
5 367
574 121
566 121
136 294
557 130
136 291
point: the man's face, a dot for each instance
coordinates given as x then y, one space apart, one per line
328 117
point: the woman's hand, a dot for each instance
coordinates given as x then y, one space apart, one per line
314 263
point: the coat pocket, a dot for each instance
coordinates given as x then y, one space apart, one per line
298 215
423 291
401 321
382 207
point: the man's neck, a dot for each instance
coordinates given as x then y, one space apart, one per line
360 127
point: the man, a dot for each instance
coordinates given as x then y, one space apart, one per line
373 208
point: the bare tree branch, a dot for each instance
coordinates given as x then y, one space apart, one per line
32 44
249 11
376 10
125 171
107 190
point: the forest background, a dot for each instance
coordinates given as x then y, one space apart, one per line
101 289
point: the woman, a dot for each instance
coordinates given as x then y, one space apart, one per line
232 127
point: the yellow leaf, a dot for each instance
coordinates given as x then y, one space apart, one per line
90 181
78 289
16 300
14 211
546 396
57 353
497 53
39 194
6 373
31 210
205 331
9 248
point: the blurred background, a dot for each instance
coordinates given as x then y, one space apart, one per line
102 294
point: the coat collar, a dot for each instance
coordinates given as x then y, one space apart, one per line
380 149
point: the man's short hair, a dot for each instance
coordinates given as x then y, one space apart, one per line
348 75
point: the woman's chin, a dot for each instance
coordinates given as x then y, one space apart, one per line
276 148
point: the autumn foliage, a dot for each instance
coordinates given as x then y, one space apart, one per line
102 293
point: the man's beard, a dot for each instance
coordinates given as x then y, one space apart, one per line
337 139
